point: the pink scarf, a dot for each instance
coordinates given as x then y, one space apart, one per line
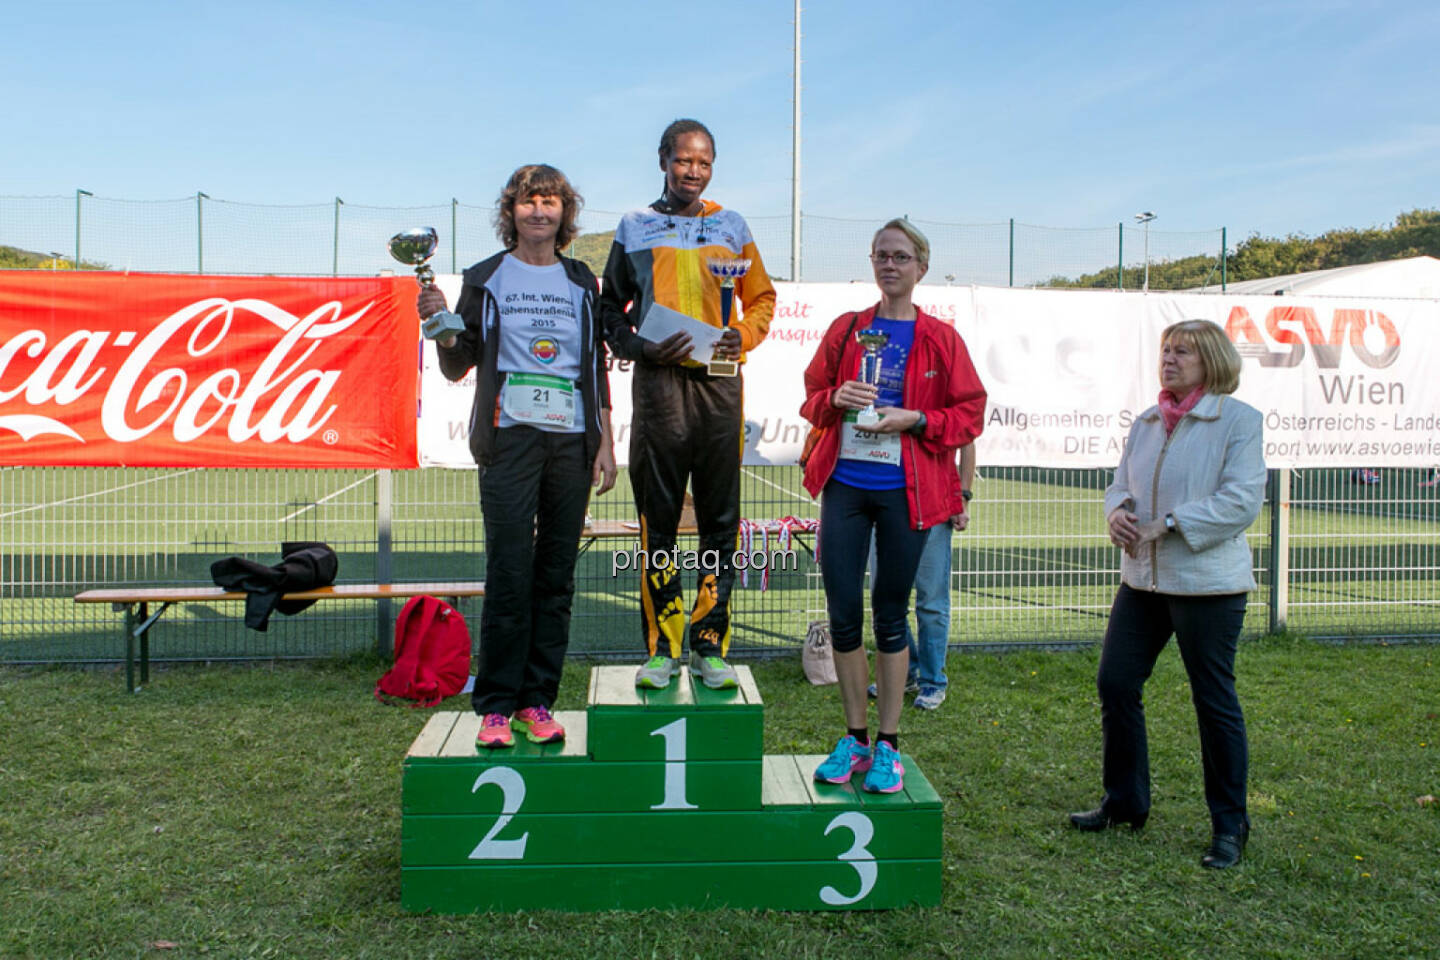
1172 409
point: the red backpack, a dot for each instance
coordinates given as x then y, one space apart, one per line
432 654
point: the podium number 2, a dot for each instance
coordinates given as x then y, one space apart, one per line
674 736
863 831
512 793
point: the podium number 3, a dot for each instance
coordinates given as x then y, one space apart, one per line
512 792
863 831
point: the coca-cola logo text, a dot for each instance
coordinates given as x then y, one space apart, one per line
280 399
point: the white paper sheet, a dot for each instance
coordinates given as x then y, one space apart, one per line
660 322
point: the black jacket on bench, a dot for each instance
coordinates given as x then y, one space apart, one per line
304 566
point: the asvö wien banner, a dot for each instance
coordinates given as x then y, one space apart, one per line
1341 382
108 369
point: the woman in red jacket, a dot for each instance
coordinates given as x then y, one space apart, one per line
896 478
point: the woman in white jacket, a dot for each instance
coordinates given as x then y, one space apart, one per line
1191 481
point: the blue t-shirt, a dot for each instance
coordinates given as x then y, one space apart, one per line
893 357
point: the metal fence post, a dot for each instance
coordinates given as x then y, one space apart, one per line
200 198
384 512
78 194
1121 262
1012 251
454 220
1224 255
1279 548
335 264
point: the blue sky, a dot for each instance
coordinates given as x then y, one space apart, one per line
1265 117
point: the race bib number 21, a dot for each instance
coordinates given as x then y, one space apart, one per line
538 399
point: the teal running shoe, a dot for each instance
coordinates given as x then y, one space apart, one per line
886 773
847 758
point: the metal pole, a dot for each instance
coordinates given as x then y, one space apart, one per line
1147 257
1279 548
335 263
200 197
78 195
384 511
454 268
795 160
1121 225
1224 255
1012 251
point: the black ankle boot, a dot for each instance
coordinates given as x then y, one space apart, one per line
1101 819
1225 849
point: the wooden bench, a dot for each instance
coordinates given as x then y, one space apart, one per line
138 619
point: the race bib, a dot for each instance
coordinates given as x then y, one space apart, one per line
538 399
857 444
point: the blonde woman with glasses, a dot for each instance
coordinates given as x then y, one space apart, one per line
893 479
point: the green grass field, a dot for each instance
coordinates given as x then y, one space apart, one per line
254 812
1035 567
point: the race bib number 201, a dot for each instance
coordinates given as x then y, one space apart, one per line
857 444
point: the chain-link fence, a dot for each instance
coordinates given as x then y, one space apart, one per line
1338 553
201 234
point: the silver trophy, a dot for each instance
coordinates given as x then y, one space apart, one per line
727 269
413 248
873 341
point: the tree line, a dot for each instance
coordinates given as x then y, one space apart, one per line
1413 234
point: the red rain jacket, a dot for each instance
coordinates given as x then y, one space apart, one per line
940 381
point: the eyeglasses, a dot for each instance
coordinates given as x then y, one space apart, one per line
899 259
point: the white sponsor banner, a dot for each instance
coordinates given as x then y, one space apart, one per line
1341 382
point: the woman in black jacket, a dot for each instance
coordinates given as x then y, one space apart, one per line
540 433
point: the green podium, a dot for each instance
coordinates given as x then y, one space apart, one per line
657 798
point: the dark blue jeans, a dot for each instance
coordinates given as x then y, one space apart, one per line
848 515
1207 630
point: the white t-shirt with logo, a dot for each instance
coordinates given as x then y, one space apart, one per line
540 346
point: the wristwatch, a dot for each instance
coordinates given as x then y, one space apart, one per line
967 494
1169 523
918 427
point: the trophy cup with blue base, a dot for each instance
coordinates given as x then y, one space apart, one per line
727 270
873 341
413 248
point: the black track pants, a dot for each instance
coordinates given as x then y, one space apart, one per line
686 426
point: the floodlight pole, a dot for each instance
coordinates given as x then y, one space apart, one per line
78 194
335 248
1145 218
200 198
795 160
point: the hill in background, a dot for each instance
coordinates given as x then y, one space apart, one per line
14 258
593 248
1414 234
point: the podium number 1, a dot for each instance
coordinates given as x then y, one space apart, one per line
674 736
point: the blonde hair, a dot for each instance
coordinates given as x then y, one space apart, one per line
1217 354
922 245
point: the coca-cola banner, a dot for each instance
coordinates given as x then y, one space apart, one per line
106 369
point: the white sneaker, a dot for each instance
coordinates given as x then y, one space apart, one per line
714 672
656 672
929 698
